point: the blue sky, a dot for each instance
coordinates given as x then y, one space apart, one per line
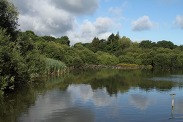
82 20
161 12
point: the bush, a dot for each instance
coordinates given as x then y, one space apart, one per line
106 58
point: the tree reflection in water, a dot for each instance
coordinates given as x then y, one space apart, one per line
106 84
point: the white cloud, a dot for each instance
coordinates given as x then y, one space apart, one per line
44 18
143 23
103 24
179 21
88 28
102 27
59 18
52 17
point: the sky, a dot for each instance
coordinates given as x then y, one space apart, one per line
82 20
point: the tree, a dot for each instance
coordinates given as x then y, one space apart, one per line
113 39
106 58
63 40
180 61
95 43
166 44
77 63
124 42
112 43
147 58
49 38
25 42
147 44
88 56
8 18
53 50
181 47
126 59
13 67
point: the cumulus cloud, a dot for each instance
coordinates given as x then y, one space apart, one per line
179 21
103 24
52 17
59 18
43 18
143 23
77 6
87 30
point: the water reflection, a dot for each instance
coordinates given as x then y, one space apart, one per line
77 104
81 103
178 109
173 78
94 96
120 81
54 106
172 112
179 106
140 101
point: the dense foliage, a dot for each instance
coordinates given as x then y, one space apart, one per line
162 54
8 18
24 55
19 58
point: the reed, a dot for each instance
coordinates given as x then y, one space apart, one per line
54 66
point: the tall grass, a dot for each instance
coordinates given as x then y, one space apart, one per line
53 66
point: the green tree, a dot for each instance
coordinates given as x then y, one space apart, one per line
166 44
112 43
106 58
12 65
63 40
86 55
49 38
162 61
95 44
8 18
53 50
181 47
25 42
180 61
77 63
126 59
147 44
124 42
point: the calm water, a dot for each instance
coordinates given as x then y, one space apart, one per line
98 96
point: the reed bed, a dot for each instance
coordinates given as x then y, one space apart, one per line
54 66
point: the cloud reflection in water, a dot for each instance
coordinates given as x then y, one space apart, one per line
139 101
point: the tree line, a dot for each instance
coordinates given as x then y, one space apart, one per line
24 55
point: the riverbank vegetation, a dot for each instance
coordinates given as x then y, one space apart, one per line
24 55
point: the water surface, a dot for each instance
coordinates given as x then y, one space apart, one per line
98 96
